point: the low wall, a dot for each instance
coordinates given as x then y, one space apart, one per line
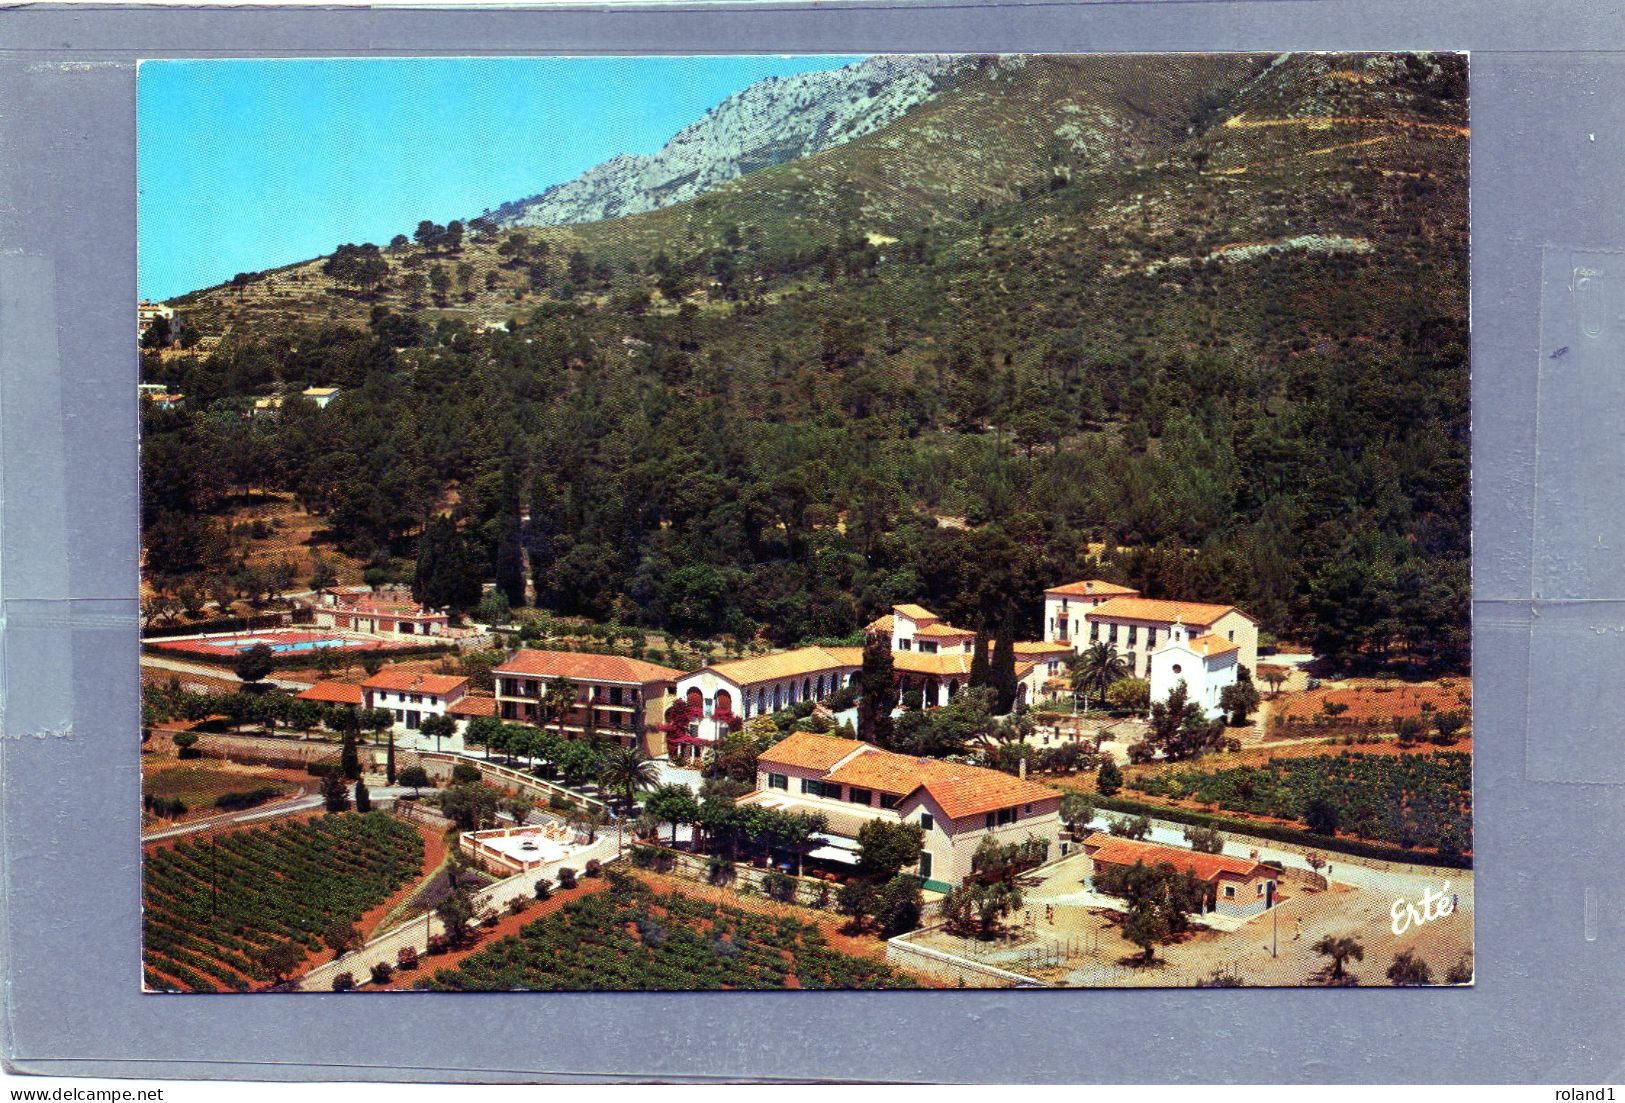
904 953
811 892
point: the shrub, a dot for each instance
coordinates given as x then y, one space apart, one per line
558 802
232 802
381 972
567 877
780 886
464 773
344 982
594 868
544 888
516 905
407 958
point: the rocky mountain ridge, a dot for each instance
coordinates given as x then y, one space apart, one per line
773 121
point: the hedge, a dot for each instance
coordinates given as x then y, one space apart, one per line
1375 851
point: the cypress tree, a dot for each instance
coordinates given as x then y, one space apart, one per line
510 561
878 684
349 761
1004 669
981 671
363 799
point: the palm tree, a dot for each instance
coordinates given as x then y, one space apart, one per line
1097 668
1340 950
557 702
628 769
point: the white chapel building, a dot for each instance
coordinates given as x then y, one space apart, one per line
1206 664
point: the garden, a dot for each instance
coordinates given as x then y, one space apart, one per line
634 938
214 908
1411 800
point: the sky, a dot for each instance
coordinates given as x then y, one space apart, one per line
246 165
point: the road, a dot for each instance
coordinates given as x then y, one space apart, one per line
305 802
220 673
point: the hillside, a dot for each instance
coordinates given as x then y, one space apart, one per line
1165 303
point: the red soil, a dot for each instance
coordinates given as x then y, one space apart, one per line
506 926
1371 701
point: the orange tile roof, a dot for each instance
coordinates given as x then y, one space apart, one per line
411 681
1035 648
333 693
801 662
959 790
474 706
915 612
1115 851
1193 613
941 629
963 790
810 751
917 662
1092 587
883 624
580 666
1213 645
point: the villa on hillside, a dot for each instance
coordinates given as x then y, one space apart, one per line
742 689
929 656
851 783
615 696
412 696
1064 606
390 613
1237 887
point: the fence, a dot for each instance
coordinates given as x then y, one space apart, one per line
1074 962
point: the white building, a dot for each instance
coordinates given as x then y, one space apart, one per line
1206 664
412 696
1136 626
1064 607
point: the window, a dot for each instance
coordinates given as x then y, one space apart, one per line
1133 634
887 800
1111 636
905 645
1028 809
1094 631
992 820
1177 668
858 796
811 788
1150 638
1232 635
925 865
778 781
927 821
1007 815
1230 892
1261 888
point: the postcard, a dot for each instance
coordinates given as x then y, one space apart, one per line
814 522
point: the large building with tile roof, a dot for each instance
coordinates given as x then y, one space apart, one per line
957 805
1137 626
412 695
624 699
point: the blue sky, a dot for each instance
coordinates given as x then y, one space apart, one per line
246 165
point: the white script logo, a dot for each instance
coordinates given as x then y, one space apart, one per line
1435 904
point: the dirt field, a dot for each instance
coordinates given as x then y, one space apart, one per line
1087 950
198 782
1370 701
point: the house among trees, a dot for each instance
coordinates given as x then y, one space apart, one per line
390 613
413 697
576 693
957 806
1064 606
321 396
333 693
1135 626
1238 887
721 694
1206 664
